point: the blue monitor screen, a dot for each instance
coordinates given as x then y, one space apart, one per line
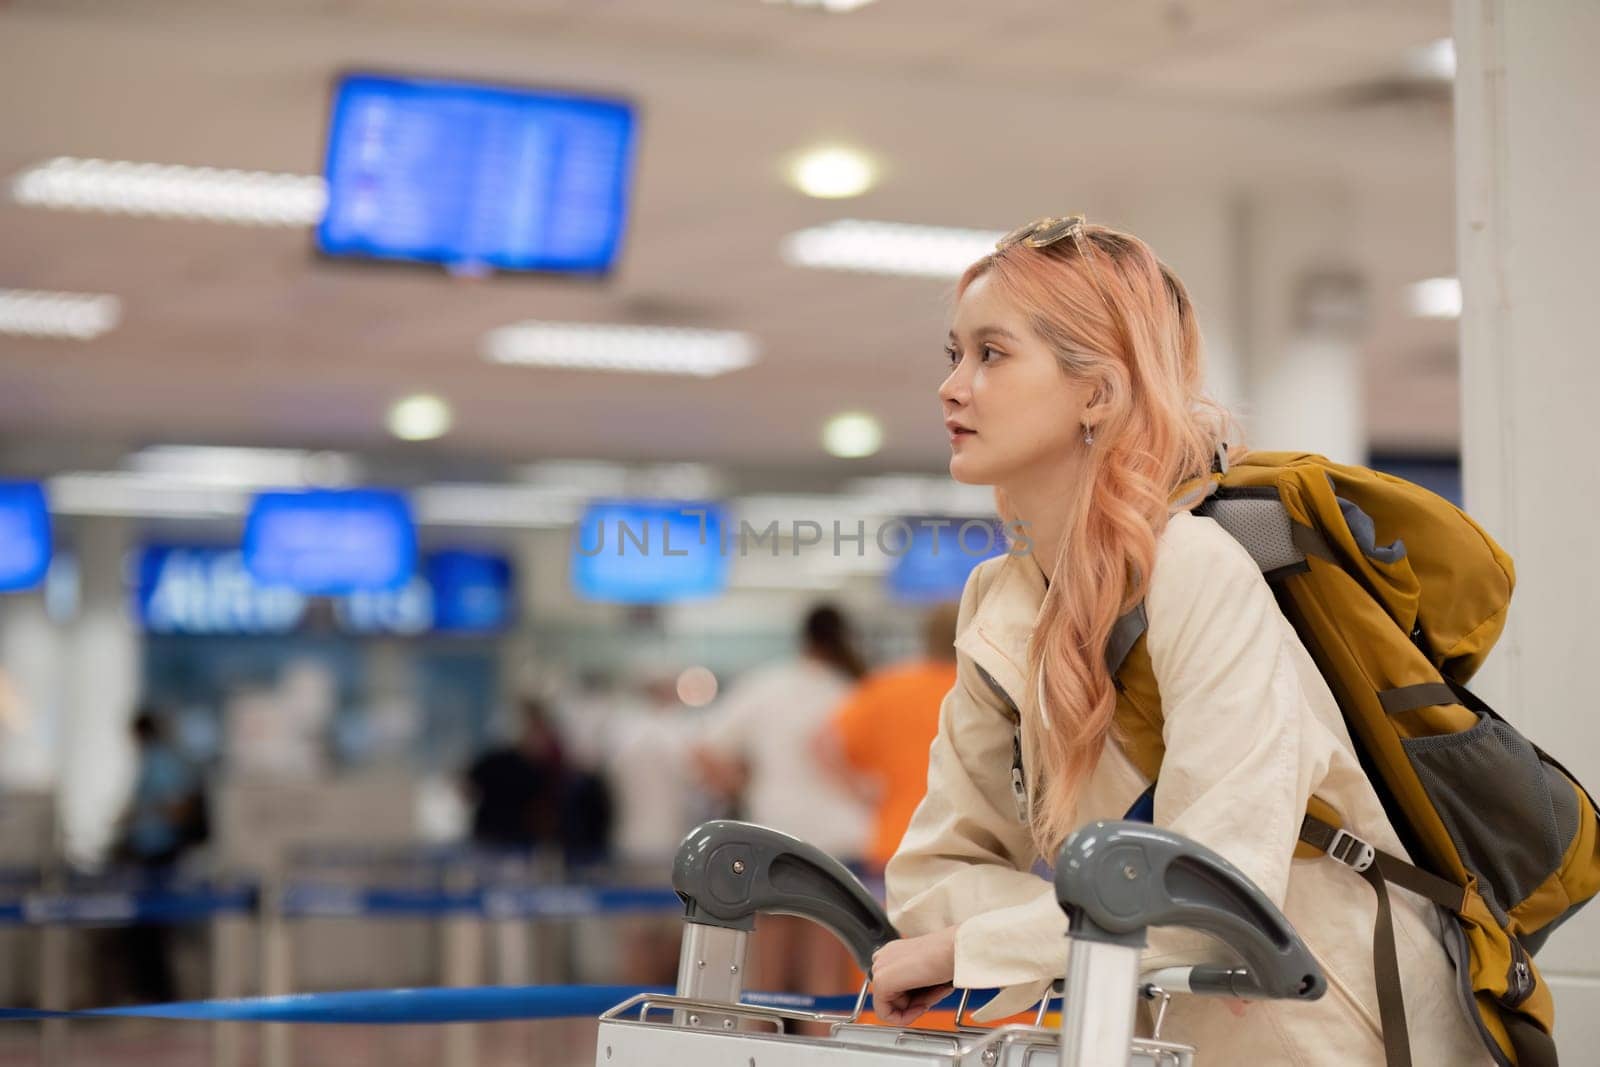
24 536
476 176
473 592
325 541
191 589
933 559
648 552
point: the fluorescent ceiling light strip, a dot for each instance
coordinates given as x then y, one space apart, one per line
79 316
786 509
834 7
635 349
139 496
596 478
243 468
888 248
135 495
151 494
207 194
914 494
491 505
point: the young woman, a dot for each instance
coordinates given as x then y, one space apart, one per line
1075 389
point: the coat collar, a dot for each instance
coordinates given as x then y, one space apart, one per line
998 634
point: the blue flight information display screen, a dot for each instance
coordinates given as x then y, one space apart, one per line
330 541
476 176
648 551
933 563
25 540
473 592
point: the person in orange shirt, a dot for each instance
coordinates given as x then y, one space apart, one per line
884 728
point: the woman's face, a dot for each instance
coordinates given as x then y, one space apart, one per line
1012 413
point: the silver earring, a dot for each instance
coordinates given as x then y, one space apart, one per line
1088 435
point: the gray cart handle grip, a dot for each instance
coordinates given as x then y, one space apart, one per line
728 872
1116 879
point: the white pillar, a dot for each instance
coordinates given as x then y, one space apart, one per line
1281 307
31 671
100 683
1302 311
1528 222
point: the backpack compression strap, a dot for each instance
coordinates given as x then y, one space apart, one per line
1379 869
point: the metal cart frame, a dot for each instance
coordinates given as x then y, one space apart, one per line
1111 878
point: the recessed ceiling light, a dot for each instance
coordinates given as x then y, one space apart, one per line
636 349
1435 60
78 316
1435 298
833 172
207 194
888 248
852 435
422 417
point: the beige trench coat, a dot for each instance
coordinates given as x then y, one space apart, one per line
1251 732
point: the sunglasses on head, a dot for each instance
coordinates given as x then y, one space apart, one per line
1042 233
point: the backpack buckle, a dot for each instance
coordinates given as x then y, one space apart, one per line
1351 851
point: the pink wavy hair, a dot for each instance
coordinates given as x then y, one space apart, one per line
1115 316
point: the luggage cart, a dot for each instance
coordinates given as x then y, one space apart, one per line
1115 880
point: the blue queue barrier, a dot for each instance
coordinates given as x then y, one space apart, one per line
321 901
199 903
489 900
196 902
122 902
410 1007
461 894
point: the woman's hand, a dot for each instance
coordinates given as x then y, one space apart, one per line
913 974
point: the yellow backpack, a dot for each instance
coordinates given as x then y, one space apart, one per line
1398 595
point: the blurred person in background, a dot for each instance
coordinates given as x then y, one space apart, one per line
883 730
760 744
581 716
165 818
516 793
658 800
649 763
166 813
588 816
516 789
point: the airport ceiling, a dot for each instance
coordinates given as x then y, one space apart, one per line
983 113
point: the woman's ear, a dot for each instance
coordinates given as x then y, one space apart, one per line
1098 407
